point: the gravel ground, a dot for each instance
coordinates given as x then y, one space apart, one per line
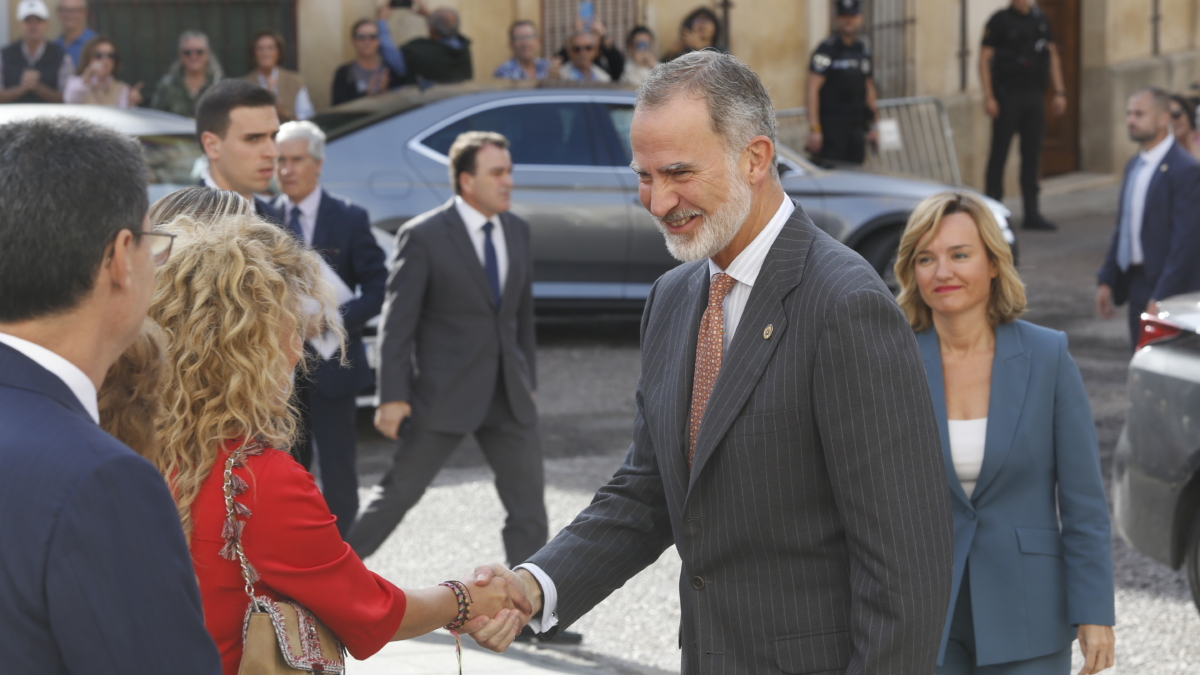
588 374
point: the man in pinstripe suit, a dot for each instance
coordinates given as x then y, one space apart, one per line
784 439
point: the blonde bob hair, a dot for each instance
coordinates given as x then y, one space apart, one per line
235 298
1007 301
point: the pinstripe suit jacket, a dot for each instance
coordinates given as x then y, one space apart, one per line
814 527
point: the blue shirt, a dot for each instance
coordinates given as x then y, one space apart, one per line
75 49
512 70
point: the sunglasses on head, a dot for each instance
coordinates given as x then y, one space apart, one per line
193 52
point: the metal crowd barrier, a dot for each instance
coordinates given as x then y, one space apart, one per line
915 138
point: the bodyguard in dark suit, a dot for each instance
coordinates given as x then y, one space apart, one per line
784 440
1155 251
236 123
96 574
457 350
341 232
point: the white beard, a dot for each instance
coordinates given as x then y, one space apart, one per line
716 230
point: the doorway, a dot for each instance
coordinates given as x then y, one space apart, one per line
1060 148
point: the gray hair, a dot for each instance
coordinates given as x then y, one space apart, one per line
193 35
738 105
307 131
444 22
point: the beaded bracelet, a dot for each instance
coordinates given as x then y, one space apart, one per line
464 604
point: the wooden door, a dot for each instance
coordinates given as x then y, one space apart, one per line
1060 148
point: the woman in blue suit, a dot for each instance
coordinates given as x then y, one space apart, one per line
1032 542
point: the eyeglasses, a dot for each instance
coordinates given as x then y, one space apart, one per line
193 52
524 38
1176 114
112 56
160 246
364 37
575 49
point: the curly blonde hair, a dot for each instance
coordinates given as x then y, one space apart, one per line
1007 300
130 400
235 297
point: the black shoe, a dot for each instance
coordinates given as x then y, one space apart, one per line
566 637
1038 223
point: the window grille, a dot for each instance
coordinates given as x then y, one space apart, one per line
146 32
888 26
558 21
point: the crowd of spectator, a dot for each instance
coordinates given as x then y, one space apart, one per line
81 66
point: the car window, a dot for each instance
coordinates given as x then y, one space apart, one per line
170 159
622 119
538 133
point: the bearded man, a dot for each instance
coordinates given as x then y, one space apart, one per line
784 439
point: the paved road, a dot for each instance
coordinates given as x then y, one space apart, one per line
588 374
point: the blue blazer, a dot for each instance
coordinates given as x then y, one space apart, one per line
1170 230
342 236
96 575
1040 565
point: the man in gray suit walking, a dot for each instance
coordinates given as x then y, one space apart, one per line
784 439
456 352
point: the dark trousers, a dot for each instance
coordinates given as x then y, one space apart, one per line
1022 112
331 422
960 650
1140 290
512 450
845 142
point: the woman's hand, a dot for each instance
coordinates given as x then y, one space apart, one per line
489 600
1097 643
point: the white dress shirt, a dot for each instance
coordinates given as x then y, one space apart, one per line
1137 202
308 213
79 384
474 221
744 269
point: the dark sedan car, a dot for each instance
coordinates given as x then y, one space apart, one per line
594 245
1156 469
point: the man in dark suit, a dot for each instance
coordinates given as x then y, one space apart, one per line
1155 251
341 233
457 350
97 576
236 123
784 439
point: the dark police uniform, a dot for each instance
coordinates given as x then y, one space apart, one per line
1020 71
844 115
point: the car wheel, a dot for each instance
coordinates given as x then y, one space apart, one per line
880 250
1192 561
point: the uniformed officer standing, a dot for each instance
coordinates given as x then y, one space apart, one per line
1017 57
841 91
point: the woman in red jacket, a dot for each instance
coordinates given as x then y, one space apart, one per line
237 300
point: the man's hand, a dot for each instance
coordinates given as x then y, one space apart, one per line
816 140
991 107
873 137
30 79
389 417
524 593
1097 644
1152 307
135 95
1059 106
384 11
1104 303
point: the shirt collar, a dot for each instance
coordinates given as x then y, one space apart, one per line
264 80
473 219
79 383
33 58
1156 154
746 266
308 206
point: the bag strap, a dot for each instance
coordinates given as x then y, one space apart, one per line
233 527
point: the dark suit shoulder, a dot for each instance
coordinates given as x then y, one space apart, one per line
342 203
834 269
422 224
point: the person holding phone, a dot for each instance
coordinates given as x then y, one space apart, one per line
95 82
639 47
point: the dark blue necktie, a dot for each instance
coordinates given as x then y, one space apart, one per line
490 263
294 223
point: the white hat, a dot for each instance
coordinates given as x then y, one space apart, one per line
29 8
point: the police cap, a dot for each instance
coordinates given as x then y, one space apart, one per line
847 7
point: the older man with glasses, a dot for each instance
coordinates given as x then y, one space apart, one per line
582 50
525 45
189 77
73 16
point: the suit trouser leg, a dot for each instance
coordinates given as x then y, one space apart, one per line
332 424
514 452
1139 296
1003 128
1031 126
419 456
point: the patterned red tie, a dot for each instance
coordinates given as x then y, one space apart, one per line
708 355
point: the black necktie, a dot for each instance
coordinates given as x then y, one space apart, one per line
490 263
294 223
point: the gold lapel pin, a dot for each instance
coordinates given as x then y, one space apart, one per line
767 331
1163 168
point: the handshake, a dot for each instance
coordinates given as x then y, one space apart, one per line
502 603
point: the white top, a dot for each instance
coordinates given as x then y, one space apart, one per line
1137 201
474 221
308 212
967 439
79 383
744 269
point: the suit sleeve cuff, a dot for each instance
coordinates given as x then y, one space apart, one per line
549 616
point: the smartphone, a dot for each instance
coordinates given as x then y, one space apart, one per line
401 4
587 12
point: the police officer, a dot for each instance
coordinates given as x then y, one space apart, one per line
841 91
1017 58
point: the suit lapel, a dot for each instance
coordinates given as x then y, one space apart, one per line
1010 379
324 224
931 353
673 399
751 350
462 241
